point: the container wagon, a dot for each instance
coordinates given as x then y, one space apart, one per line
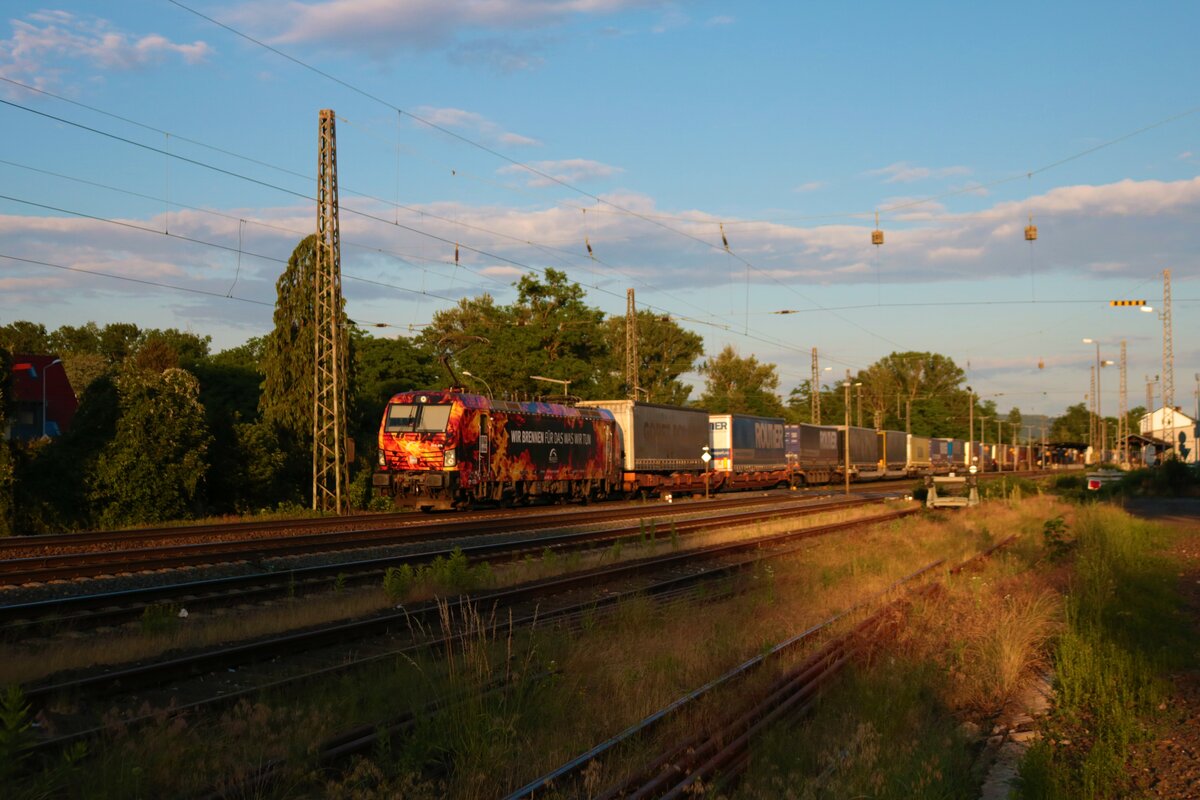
748 451
812 452
893 454
940 455
662 446
864 452
920 455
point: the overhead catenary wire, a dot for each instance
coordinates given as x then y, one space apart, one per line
508 159
301 195
357 212
969 188
406 259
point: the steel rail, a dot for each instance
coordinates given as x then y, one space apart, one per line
725 747
40 569
105 606
30 546
577 763
247 652
671 587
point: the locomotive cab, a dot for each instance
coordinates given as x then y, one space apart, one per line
418 450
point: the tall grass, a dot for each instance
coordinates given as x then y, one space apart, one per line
1125 633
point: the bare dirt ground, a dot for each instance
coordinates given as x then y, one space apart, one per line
1172 760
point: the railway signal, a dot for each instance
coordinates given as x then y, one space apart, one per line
1127 302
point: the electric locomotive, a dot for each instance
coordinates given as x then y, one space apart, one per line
448 448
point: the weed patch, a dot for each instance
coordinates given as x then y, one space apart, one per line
1125 632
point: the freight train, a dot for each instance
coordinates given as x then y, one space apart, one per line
447 448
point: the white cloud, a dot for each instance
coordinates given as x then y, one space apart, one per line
1088 231
810 186
955 253
720 19
903 172
381 27
474 123
571 170
44 42
502 272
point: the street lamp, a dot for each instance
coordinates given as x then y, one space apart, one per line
846 470
481 380
1100 427
44 406
564 384
970 454
1099 415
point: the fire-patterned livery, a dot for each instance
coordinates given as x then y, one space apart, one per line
448 449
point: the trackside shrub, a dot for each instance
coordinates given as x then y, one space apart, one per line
14 731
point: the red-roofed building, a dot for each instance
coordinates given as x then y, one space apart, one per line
44 402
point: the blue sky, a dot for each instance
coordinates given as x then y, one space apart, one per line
787 124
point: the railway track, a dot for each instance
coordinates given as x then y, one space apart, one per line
721 751
108 608
90 563
391 633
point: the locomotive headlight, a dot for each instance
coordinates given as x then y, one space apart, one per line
451 458
382 460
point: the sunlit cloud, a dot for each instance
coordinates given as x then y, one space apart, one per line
474 123
44 45
382 28
903 172
571 170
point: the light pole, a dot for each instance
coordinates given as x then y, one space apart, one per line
481 380
999 444
565 384
970 454
1100 426
46 369
846 448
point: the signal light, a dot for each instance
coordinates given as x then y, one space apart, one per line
1127 302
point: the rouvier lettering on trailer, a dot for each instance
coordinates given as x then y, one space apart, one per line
768 435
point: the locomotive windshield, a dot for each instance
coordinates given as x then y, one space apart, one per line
404 418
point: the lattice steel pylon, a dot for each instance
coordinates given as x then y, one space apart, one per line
330 476
1123 420
631 346
814 391
1168 377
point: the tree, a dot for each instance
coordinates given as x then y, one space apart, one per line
736 385
382 368
6 459
152 468
1133 419
547 331
287 358
189 349
1073 425
665 351
24 337
118 340
71 339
